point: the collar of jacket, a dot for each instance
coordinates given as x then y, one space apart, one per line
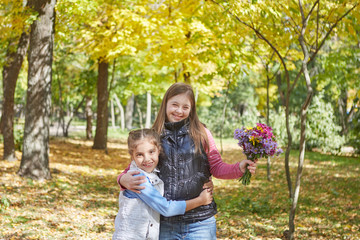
176 125
179 127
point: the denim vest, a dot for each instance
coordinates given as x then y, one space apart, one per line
183 171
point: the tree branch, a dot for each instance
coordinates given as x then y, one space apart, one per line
259 34
311 10
312 57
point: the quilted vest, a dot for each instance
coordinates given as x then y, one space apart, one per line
183 171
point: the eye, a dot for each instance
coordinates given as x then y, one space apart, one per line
138 155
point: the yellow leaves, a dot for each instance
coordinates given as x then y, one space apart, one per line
351 30
15 18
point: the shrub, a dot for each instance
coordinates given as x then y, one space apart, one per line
321 129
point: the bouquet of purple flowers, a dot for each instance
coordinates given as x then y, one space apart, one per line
257 142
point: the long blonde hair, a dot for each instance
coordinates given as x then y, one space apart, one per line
196 128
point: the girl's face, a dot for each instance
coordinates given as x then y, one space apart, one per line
146 155
178 108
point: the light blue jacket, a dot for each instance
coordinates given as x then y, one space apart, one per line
139 214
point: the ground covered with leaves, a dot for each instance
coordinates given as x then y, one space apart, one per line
80 201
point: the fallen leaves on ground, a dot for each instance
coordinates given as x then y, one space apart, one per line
80 201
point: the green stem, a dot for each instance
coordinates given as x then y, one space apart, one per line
245 179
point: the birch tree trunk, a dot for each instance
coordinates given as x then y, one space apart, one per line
88 113
140 115
148 110
35 157
304 109
112 114
129 112
122 115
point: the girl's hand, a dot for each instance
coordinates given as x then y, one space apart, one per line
209 185
206 197
131 182
251 165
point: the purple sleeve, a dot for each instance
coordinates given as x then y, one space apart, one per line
218 168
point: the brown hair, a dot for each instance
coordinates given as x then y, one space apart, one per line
140 134
196 128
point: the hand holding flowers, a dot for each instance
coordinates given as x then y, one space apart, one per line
248 164
257 142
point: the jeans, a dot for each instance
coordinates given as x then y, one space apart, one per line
205 230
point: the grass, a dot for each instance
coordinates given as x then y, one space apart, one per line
80 201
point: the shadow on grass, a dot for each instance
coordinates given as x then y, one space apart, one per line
321 157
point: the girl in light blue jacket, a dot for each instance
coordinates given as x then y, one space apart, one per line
139 213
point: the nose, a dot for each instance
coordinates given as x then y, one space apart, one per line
147 157
178 110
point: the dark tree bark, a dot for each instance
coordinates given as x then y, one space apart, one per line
35 157
129 112
89 114
100 140
10 74
186 74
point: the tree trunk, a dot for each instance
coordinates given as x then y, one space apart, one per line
88 113
268 165
112 114
148 110
35 157
186 74
140 115
66 132
281 93
61 115
100 140
289 143
122 115
285 100
301 155
196 94
10 74
224 116
342 101
129 112
304 109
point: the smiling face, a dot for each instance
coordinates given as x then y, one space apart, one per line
178 108
146 155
